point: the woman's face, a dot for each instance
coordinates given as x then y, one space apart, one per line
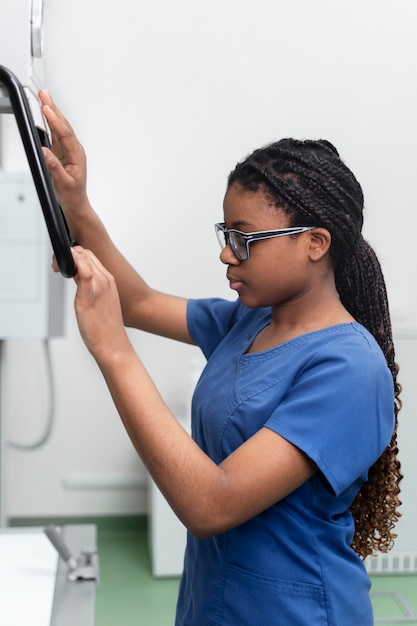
279 269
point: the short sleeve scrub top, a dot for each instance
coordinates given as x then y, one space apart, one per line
329 393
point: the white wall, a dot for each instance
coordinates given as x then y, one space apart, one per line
166 98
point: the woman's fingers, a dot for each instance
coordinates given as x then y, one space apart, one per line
97 304
65 144
66 160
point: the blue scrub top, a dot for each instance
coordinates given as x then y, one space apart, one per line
330 393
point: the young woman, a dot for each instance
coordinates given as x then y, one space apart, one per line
291 478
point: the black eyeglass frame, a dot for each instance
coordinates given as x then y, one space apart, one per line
225 237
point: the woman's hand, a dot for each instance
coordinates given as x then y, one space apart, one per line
66 161
97 307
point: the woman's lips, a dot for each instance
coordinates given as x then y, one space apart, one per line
234 283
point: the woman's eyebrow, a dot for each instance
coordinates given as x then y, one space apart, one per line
239 224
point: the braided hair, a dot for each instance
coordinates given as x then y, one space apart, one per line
312 185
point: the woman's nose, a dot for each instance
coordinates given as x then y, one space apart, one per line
228 257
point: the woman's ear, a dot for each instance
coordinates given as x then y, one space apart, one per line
320 240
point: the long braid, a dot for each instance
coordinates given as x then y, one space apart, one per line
309 181
375 507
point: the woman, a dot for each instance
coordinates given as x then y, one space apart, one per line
291 476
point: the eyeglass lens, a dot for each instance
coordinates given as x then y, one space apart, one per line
238 245
236 242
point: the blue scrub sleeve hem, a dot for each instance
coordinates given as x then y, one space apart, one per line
311 452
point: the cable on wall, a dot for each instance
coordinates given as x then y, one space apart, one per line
50 414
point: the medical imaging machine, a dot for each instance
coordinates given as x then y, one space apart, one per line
31 306
19 84
31 296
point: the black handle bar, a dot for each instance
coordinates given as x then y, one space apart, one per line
33 139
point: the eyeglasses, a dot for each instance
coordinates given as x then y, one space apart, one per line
240 241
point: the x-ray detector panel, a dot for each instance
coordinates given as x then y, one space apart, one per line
21 41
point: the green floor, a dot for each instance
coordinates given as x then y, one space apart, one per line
128 595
